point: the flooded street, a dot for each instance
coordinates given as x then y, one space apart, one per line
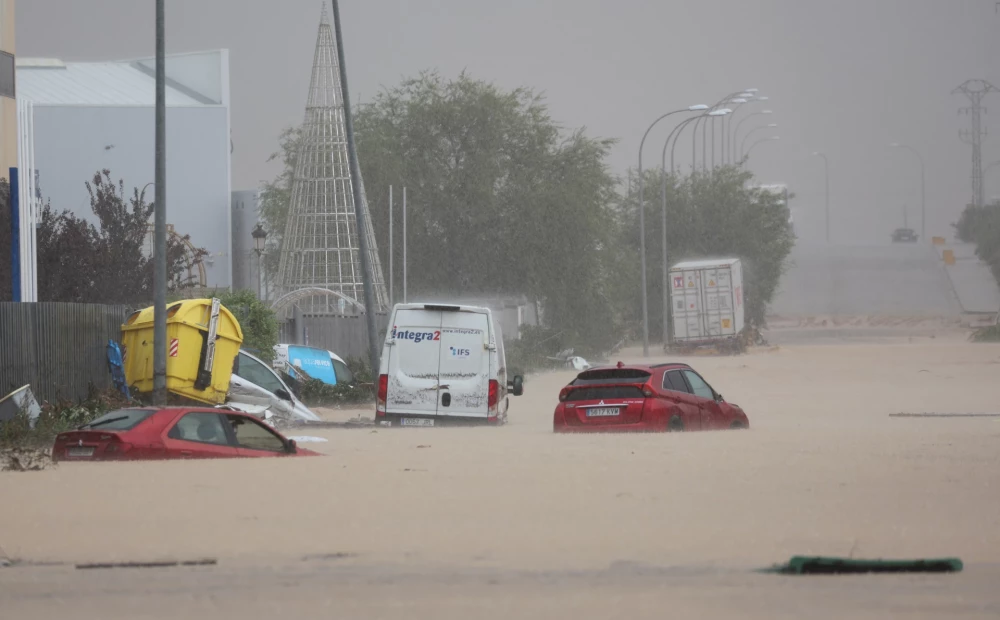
491 522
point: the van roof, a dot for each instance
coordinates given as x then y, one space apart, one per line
442 306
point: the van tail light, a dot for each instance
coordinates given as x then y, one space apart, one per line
383 395
494 394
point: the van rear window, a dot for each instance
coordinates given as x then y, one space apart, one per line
605 392
611 375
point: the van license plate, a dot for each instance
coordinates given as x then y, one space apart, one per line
415 422
602 413
87 451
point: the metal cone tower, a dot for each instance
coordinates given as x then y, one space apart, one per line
320 263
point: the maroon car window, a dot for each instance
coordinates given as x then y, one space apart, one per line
200 427
672 380
604 392
254 435
699 386
120 420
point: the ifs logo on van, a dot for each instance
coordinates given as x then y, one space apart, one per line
414 336
460 352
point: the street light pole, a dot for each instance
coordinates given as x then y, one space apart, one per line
160 220
724 138
259 241
663 196
359 206
736 132
750 133
768 139
923 195
405 299
826 168
391 242
642 229
704 131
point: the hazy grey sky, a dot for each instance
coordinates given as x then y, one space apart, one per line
845 77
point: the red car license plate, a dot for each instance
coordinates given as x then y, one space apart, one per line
78 451
603 412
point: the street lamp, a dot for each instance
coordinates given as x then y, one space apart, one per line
749 96
923 202
826 168
762 140
259 240
750 133
694 136
736 132
642 225
737 102
674 135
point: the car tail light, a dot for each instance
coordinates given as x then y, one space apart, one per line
647 391
117 448
494 394
563 394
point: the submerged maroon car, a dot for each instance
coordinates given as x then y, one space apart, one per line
154 433
661 397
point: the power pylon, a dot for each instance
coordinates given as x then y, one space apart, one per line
320 248
975 90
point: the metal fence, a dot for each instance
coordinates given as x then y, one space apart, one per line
57 348
347 336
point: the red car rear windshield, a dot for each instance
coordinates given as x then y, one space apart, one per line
611 375
119 420
599 392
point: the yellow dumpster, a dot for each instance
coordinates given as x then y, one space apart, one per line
194 369
937 240
949 257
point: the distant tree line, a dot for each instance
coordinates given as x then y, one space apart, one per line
503 200
981 226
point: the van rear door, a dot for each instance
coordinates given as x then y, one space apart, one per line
414 361
465 364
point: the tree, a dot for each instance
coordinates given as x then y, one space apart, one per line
981 226
710 216
501 199
104 263
258 322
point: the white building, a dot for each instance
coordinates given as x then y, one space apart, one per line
89 116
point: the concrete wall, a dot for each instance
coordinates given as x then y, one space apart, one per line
74 142
8 107
245 215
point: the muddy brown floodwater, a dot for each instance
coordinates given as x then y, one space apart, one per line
515 522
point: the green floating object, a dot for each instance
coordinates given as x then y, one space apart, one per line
824 565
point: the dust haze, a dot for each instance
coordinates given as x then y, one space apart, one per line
846 78
517 521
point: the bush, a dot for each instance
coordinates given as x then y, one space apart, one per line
981 226
258 322
987 334
23 448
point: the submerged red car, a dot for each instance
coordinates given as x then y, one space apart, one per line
661 397
156 433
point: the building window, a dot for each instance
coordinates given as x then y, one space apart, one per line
6 75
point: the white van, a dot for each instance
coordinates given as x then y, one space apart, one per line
443 364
